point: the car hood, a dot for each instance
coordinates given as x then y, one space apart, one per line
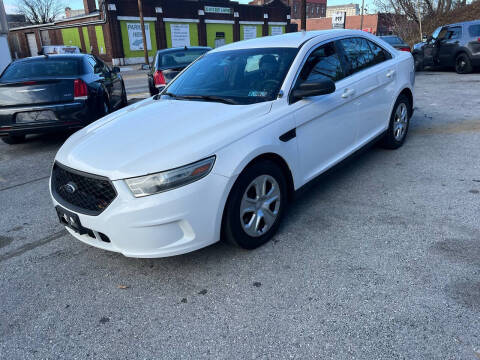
157 135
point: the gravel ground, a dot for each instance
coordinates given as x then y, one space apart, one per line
378 260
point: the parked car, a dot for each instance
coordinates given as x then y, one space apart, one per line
397 42
58 92
168 63
59 49
248 124
455 45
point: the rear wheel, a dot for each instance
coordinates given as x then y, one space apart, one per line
463 65
399 123
13 139
256 205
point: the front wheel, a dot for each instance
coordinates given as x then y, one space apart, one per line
256 205
399 123
463 65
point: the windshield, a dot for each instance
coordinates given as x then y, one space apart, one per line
40 68
179 58
243 76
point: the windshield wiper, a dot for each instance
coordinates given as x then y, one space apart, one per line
202 97
211 98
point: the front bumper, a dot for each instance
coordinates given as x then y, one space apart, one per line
166 224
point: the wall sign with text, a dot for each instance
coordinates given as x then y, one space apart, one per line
135 37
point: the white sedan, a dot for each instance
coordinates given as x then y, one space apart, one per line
221 151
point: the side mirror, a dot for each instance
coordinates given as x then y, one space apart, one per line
313 88
116 69
429 39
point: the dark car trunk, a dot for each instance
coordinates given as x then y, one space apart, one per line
36 92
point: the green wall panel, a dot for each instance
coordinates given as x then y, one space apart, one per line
259 30
86 39
270 28
193 28
212 29
71 37
100 40
126 44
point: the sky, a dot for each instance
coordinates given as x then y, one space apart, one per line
78 4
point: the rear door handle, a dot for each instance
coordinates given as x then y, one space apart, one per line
390 73
347 93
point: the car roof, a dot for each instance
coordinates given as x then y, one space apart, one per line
289 40
473 22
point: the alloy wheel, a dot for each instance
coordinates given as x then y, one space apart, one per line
260 205
400 122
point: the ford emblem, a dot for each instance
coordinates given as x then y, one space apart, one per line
70 187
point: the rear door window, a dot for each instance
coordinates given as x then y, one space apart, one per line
379 54
358 54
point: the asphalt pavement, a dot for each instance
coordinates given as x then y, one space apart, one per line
378 260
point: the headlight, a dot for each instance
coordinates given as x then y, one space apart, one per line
170 179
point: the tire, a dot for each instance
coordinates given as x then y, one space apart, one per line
399 124
418 63
463 65
13 139
243 197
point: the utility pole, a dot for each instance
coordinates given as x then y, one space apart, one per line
303 15
361 17
144 36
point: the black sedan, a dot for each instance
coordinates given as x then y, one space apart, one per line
57 92
397 42
169 62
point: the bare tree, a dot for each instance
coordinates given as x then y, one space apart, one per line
41 11
411 15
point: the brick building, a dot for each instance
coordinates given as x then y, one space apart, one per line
315 8
350 9
377 24
112 32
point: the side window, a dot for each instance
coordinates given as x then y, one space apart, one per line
454 33
358 54
323 63
379 54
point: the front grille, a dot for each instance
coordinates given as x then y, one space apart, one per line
82 192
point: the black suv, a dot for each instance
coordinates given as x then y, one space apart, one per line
456 45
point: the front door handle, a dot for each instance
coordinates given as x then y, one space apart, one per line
390 73
347 93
